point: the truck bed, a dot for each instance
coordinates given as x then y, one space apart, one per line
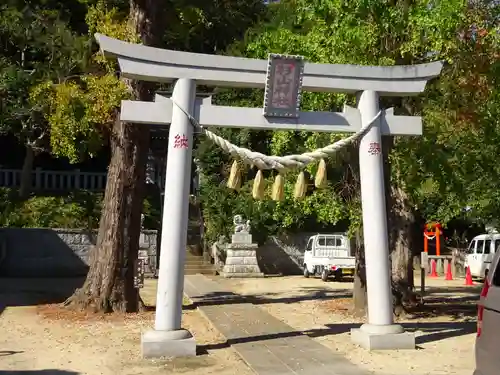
347 262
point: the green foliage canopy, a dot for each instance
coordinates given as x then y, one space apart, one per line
37 45
452 166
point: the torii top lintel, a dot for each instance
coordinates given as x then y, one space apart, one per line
160 65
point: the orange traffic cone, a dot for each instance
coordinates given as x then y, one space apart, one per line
468 277
449 275
433 269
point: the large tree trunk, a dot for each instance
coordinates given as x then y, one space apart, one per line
110 282
352 192
400 222
359 288
26 172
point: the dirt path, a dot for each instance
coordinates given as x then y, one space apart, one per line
445 342
41 338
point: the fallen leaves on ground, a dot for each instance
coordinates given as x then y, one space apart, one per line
59 312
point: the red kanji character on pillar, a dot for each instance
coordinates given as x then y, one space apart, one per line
180 141
374 148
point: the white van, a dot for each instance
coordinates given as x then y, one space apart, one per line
329 254
480 254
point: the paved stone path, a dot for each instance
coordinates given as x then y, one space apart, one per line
266 344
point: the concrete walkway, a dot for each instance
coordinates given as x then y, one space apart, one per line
266 344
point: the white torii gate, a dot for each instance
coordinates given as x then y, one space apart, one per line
188 69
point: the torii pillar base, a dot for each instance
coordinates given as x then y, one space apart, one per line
387 337
159 344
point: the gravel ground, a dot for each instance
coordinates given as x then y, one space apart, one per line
445 332
49 338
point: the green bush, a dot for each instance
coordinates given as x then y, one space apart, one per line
81 209
75 210
47 212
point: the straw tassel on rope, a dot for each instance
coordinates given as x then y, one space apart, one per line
259 186
234 180
321 181
278 193
300 186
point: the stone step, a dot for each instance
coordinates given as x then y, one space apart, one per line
191 265
200 266
193 269
201 271
191 256
196 262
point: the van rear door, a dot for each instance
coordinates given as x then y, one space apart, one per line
475 259
487 256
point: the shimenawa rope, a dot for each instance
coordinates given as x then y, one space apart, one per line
280 163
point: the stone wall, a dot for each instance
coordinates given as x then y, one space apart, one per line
41 252
78 240
283 254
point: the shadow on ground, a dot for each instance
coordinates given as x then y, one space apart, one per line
39 372
454 302
426 333
5 353
36 291
37 267
473 289
457 303
303 294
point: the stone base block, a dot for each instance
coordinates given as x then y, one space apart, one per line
241 268
241 238
157 344
241 261
389 337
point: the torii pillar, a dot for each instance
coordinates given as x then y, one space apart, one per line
187 70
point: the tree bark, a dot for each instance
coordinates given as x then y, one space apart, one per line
359 288
109 286
400 222
351 191
26 172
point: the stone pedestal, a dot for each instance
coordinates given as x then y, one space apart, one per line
385 337
241 257
158 344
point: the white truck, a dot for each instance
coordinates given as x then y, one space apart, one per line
329 254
